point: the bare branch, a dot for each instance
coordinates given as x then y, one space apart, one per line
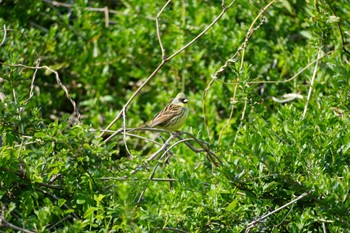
106 11
4 38
242 118
57 223
31 92
133 96
158 29
233 59
164 147
167 151
58 80
286 80
4 223
312 83
124 134
205 146
161 157
203 32
259 219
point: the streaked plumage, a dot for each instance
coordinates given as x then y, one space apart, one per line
173 116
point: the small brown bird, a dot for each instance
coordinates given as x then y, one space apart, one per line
173 116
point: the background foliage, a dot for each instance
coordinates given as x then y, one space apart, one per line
62 177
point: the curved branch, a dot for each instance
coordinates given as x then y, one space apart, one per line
4 38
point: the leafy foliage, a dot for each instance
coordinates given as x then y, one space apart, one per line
287 156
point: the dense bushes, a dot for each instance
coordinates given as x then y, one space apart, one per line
278 145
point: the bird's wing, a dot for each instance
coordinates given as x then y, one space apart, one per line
165 115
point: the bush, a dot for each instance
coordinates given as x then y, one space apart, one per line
265 148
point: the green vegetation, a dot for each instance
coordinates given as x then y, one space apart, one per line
269 91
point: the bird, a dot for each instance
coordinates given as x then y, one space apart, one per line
173 116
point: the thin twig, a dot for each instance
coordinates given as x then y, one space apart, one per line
203 32
4 38
252 29
286 80
324 227
55 3
311 84
285 216
165 152
119 131
205 146
94 9
133 96
31 91
163 179
242 118
155 154
142 194
164 146
233 59
259 219
144 138
339 27
63 219
158 29
58 80
231 113
4 223
124 135
161 157
106 11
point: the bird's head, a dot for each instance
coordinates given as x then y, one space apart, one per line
180 99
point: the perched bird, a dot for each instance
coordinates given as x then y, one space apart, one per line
173 116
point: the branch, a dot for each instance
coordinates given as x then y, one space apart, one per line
253 223
57 199
286 80
344 43
63 219
158 30
312 83
203 32
75 113
205 146
233 59
4 38
4 223
31 92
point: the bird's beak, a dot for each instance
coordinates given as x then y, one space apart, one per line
185 101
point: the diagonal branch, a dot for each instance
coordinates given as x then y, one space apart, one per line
253 223
5 223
